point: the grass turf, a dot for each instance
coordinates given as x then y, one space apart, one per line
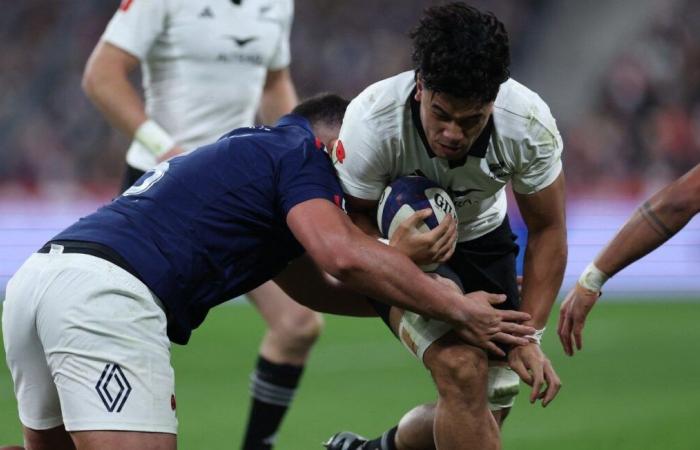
635 386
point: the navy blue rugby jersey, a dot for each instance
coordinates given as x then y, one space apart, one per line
203 228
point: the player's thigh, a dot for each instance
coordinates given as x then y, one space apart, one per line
104 335
443 353
37 398
51 439
280 311
120 440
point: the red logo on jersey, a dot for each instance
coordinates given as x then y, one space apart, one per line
339 151
319 144
173 403
125 4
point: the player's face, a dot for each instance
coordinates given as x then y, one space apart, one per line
451 125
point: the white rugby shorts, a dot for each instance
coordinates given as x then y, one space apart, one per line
417 333
87 347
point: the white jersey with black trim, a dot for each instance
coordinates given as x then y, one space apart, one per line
381 141
204 62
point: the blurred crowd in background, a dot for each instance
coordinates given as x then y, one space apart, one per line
645 124
644 129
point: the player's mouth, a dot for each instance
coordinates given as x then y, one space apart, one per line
450 149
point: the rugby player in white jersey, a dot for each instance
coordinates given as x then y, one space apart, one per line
207 67
459 120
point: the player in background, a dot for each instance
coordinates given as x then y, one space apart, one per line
656 221
87 321
460 120
207 67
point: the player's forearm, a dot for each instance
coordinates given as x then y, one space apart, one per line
387 275
279 96
116 98
545 261
106 83
652 224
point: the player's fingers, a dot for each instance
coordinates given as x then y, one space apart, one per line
564 332
519 368
514 316
495 299
553 384
505 338
537 382
493 349
517 329
578 333
414 219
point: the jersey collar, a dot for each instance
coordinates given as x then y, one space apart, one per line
295 120
478 148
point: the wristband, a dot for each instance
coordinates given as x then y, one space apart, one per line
154 137
536 337
593 278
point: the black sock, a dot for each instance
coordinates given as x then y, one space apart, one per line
272 388
384 442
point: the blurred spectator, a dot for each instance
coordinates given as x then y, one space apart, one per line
53 139
645 129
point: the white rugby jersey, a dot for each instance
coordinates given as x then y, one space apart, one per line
381 139
204 62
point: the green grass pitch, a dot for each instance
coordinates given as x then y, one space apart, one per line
636 386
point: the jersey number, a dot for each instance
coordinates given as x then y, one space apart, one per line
154 175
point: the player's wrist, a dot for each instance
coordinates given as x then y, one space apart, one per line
536 337
593 278
152 136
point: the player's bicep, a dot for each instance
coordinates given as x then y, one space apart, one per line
324 231
136 26
544 208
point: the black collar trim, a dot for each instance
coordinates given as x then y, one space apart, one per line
478 149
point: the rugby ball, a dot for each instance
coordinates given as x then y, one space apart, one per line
409 194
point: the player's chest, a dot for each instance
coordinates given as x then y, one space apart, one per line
220 30
477 179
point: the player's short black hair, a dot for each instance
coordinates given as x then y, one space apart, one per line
461 51
326 109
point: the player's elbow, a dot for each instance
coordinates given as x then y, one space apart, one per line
341 264
91 81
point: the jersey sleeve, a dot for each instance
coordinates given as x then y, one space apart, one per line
136 25
282 56
304 175
539 162
364 170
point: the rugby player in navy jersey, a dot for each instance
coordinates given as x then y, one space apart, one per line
88 319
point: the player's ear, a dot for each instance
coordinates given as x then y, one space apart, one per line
419 89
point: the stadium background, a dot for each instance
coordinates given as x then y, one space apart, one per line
623 80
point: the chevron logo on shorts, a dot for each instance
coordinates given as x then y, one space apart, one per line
113 388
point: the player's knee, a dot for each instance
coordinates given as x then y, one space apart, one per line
460 369
300 330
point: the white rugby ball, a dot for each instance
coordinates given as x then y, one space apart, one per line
409 194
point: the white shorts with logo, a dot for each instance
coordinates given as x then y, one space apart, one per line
87 347
417 333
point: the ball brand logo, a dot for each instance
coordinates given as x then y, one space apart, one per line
444 205
113 388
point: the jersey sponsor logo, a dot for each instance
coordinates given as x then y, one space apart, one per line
460 197
125 5
113 387
173 402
